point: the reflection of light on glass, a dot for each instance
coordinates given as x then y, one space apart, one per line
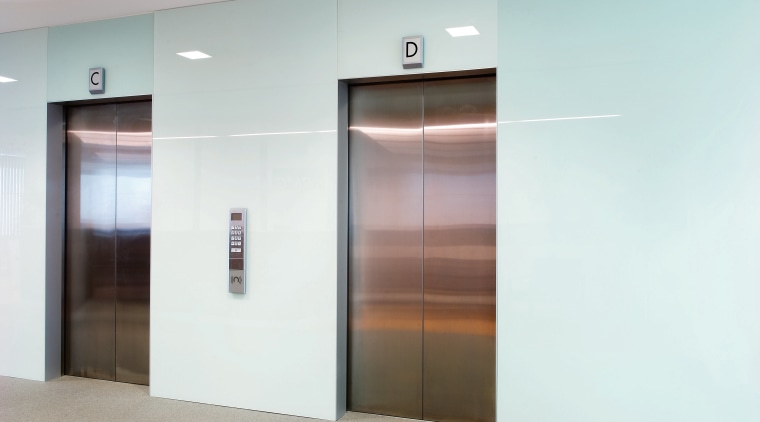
188 137
285 133
4 79
462 31
248 134
604 116
11 193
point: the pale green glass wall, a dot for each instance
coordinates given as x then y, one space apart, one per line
370 32
124 47
272 79
628 246
23 137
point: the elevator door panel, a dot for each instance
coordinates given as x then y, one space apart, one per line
90 241
133 200
108 242
460 250
422 271
386 261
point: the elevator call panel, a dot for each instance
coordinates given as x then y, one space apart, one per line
236 248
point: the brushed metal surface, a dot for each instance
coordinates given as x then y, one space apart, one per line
460 250
90 242
423 222
107 287
385 254
133 222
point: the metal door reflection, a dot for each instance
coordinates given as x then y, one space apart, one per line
422 249
108 242
385 261
459 374
133 200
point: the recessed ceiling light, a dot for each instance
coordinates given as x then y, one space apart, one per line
462 31
3 79
194 55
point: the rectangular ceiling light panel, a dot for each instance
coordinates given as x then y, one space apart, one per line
3 79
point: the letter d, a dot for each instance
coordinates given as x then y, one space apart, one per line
408 44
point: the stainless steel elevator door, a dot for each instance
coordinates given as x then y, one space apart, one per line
107 277
422 279
385 265
460 250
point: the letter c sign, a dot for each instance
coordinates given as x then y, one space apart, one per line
97 80
411 52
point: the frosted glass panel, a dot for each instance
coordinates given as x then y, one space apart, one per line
254 126
23 126
124 47
370 32
628 211
261 78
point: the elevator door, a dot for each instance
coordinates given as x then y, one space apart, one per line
422 255
107 276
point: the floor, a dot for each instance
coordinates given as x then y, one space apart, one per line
82 399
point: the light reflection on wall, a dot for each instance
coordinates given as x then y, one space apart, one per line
11 208
11 193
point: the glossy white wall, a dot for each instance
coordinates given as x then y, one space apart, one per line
628 245
124 47
370 33
271 78
23 138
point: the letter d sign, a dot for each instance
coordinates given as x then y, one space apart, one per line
411 52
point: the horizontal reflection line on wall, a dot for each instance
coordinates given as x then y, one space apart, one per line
247 134
188 137
285 133
604 116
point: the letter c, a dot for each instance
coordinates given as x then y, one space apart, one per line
408 43
92 76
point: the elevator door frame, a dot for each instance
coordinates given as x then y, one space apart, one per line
58 117
381 81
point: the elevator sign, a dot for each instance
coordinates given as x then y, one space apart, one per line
97 80
411 52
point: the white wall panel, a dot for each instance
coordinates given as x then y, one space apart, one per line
124 47
628 245
370 32
273 77
23 139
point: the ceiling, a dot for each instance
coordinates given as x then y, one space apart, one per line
16 15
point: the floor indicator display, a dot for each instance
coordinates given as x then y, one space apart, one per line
237 250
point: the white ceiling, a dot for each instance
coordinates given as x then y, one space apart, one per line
16 15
